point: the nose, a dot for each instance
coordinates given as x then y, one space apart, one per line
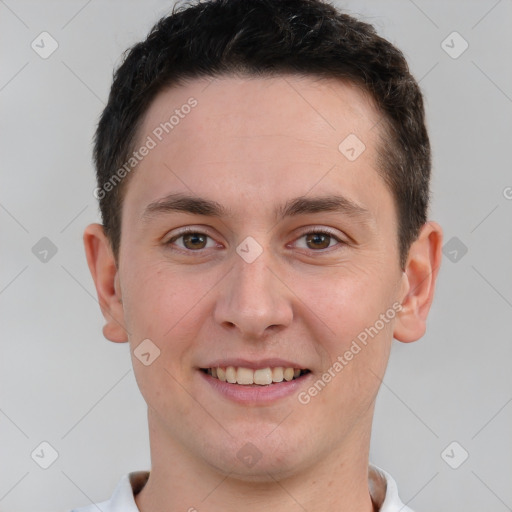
254 299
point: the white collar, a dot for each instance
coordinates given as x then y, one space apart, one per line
383 491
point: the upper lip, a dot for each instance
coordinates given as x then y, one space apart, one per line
254 364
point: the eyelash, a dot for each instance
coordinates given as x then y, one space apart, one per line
186 231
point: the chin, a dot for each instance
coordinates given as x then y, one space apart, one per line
258 460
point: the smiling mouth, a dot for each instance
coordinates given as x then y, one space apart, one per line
260 377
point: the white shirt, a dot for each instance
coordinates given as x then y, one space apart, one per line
383 491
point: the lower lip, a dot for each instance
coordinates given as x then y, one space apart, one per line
255 394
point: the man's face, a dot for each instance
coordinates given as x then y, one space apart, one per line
253 288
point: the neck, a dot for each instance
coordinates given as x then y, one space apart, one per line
179 481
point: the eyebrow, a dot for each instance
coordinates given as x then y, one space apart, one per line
302 205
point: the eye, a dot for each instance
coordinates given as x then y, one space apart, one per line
319 239
192 240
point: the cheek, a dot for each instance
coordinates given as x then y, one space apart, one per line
346 300
355 340
159 301
358 356
161 306
166 307
162 389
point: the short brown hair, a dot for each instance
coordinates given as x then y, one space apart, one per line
261 38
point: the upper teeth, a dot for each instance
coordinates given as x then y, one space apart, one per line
246 376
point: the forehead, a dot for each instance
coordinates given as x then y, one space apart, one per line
318 110
235 139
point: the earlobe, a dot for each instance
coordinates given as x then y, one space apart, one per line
420 276
105 274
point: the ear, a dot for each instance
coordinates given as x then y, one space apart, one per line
105 274
419 279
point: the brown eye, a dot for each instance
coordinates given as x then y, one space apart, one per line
194 240
191 241
318 240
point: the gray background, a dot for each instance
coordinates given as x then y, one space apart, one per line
63 383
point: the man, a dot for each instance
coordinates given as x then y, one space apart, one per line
263 173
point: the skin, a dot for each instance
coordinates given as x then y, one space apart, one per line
299 300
